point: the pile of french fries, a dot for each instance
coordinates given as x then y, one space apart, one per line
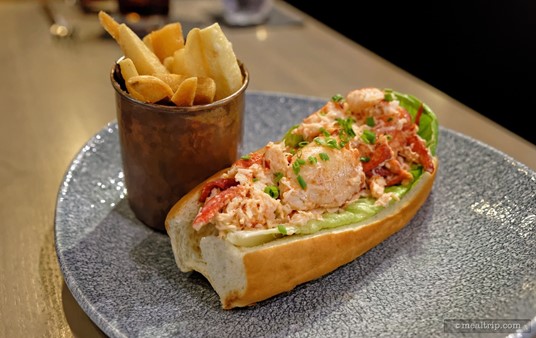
163 67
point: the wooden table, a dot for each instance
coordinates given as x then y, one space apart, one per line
56 94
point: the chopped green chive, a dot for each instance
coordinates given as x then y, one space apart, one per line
327 142
296 167
346 132
370 121
278 176
312 160
364 159
246 157
272 190
337 98
324 132
281 228
292 140
302 182
302 144
346 125
323 156
255 179
369 137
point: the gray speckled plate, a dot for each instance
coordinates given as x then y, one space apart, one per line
469 253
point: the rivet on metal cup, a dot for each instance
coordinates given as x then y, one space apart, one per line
167 150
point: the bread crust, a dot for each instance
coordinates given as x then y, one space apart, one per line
245 276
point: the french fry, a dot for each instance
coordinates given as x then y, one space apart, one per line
184 96
208 53
165 41
109 24
163 65
148 88
128 69
220 61
205 91
178 63
173 80
190 60
146 62
168 63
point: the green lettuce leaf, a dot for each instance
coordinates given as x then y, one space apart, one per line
428 124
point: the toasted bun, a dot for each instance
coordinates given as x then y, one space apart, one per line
245 276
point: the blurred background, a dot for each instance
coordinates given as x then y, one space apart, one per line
479 52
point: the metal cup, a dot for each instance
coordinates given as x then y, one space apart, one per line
167 150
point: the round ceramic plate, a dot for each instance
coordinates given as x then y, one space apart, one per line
468 255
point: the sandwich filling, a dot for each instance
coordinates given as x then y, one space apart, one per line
341 164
